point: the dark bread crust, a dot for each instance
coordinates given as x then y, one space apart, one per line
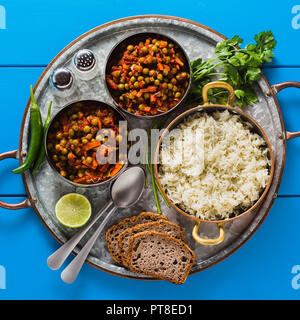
145 237
162 226
112 233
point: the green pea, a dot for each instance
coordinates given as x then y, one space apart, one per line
145 71
144 50
95 122
136 84
157 82
160 77
130 47
75 142
165 72
164 50
154 49
89 160
140 78
71 132
121 86
151 73
86 129
177 94
132 79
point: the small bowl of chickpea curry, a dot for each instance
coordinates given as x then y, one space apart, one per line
83 143
148 74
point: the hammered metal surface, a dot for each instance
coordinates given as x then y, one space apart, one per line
47 187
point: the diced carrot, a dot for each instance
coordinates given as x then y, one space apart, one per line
166 67
83 179
152 98
179 61
93 165
112 84
116 169
99 124
91 145
149 89
160 66
147 109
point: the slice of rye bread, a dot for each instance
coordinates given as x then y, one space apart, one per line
162 226
161 256
112 234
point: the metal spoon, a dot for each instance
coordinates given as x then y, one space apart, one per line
127 185
125 192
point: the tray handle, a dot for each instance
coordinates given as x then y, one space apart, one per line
208 242
277 88
24 204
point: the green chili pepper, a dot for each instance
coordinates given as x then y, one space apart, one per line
36 127
41 156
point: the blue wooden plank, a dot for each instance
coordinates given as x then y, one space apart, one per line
261 269
14 92
51 25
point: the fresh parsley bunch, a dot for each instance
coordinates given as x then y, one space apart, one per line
239 67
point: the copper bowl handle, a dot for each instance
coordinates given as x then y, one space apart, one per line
208 242
24 204
221 85
277 88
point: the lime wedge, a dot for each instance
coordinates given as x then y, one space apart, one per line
73 210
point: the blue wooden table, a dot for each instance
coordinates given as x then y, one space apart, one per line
31 33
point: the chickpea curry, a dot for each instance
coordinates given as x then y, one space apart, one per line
78 144
150 78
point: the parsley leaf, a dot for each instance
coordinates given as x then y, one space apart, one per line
239 67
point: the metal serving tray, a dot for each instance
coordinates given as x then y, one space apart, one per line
45 188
